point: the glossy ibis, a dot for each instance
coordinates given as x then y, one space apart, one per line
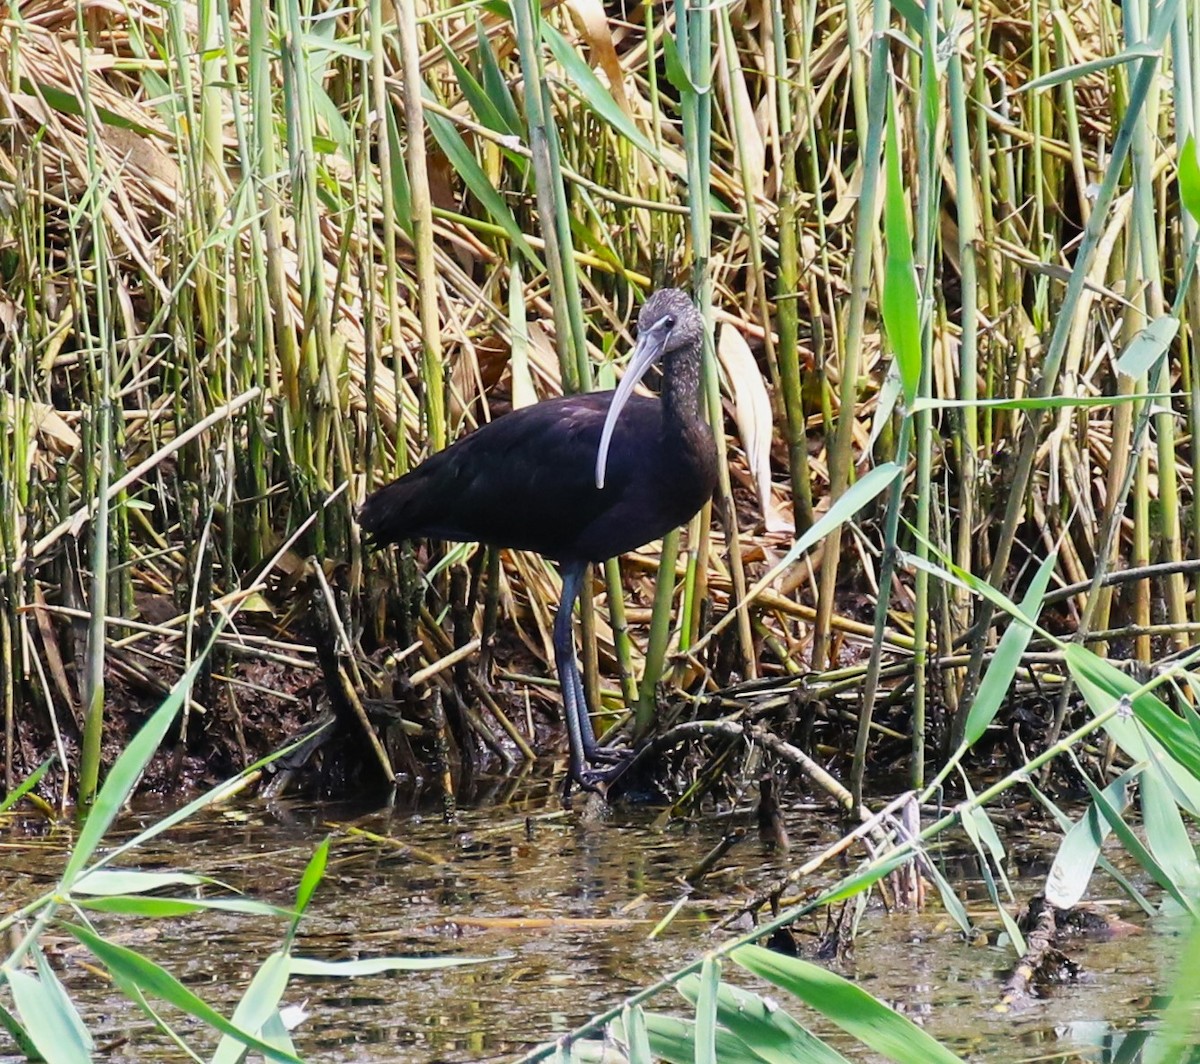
578 479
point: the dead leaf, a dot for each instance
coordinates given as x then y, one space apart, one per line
752 412
45 423
743 119
591 21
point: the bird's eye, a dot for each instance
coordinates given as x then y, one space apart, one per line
669 321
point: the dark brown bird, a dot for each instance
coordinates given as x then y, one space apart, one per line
578 479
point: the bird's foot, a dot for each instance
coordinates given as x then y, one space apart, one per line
601 779
610 755
613 780
598 780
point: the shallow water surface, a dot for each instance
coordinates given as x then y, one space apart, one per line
563 905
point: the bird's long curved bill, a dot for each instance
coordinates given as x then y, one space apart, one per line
646 352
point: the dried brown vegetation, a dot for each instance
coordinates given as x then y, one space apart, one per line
214 215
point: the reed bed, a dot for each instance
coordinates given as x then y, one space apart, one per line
259 258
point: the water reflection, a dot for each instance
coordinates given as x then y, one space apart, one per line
563 904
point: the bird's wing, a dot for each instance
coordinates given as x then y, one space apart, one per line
537 467
524 480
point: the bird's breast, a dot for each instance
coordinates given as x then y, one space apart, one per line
659 486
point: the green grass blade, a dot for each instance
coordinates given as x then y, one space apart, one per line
595 94
26 785
885 405
994 686
126 771
1071 870
209 797
126 881
277 1032
1166 836
378 965
763 1027
983 837
19 1035
1092 66
1102 862
637 1041
1144 350
848 504
314 872
847 1005
1102 684
259 1003
68 103
959 577
49 1017
1175 1036
901 298
153 979
674 1040
868 877
401 191
951 901
467 167
1137 848
706 1011
487 110
495 84
1049 402
167 908
912 13
1189 177
66 1007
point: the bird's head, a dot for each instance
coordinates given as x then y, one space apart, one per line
668 323
670 309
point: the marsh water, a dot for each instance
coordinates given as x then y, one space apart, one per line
562 905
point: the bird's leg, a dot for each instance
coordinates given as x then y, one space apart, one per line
585 751
574 703
592 750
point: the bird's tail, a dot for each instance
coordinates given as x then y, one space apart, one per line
392 513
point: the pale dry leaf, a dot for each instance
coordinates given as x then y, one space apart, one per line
752 411
743 119
523 391
591 21
543 357
45 423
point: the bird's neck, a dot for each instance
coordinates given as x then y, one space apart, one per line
681 389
